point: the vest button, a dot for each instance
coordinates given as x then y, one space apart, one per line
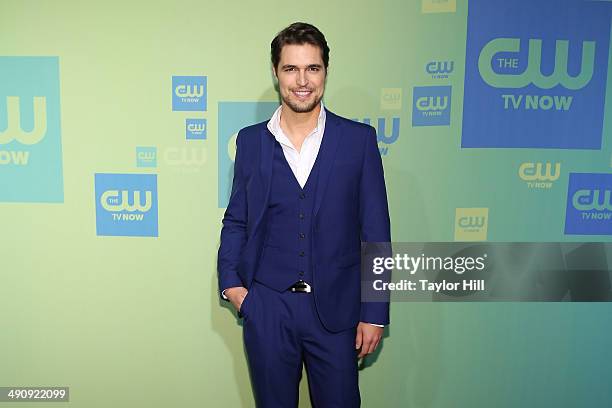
302 235
302 196
301 253
301 216
301 273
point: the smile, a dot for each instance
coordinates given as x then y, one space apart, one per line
302 94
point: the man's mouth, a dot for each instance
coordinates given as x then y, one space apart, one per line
302 94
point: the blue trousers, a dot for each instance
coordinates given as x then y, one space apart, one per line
281 331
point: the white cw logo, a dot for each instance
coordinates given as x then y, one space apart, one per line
196 127
189 91
110 201
533 73
14 130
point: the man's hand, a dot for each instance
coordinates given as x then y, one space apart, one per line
368 337
236 295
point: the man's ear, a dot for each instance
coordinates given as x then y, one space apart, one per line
274 73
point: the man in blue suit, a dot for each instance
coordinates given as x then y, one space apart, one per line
308 188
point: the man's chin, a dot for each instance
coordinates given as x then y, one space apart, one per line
302 107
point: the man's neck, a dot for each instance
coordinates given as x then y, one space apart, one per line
298 125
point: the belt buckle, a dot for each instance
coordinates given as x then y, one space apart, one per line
301 287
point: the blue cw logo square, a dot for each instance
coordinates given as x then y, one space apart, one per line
535 74
146 156
189 93
233 116
30 137
126 204
195 129
589 204
431 106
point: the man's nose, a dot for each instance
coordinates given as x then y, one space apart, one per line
302 78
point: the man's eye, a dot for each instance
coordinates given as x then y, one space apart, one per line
314 69
290 69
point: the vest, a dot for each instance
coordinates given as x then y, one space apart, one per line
287 256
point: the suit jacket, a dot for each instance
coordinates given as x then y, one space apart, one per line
350 206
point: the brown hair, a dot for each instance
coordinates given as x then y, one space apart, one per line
299 33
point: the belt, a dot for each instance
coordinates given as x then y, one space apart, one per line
301 287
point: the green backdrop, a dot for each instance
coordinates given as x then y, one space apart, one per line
137 321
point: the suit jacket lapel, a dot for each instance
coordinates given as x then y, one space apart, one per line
326 155
266 155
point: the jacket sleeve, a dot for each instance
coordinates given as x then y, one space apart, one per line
374 223
234 231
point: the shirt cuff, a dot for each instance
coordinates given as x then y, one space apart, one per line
223 295
377 325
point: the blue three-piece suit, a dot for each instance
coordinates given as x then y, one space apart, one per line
276 233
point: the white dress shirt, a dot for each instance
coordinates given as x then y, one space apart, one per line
302 161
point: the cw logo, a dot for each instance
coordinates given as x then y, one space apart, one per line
110 201
146 156
391 98
432 103
440 67
196 127
189 91
14 131
533 73
539 172
183 156
381 132
471 222
588 200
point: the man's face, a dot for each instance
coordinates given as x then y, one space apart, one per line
301 76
